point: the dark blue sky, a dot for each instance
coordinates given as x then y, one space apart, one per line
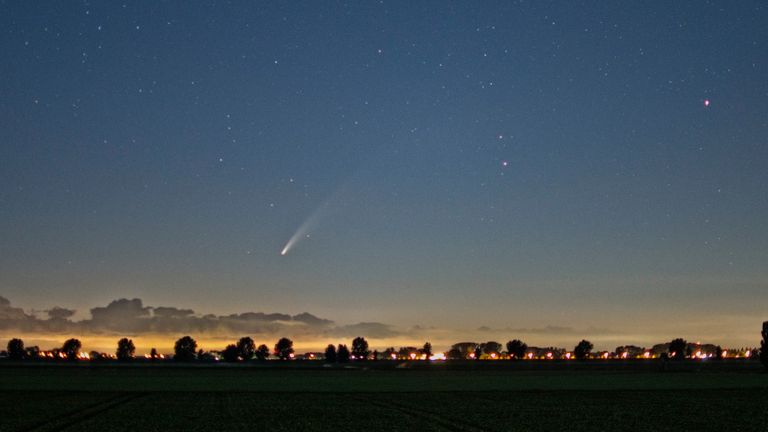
510 164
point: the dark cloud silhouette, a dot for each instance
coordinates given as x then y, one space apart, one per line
171 312
310 319
10 313
132 317
60 313
120 315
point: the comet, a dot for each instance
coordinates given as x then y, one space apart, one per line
333 202
302 232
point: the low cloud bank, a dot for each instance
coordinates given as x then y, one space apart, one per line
132 317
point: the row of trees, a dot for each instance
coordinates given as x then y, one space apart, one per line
186 349
70 350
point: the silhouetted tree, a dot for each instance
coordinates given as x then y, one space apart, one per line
246 348
764 346
16 349
719 352
71 348
125 349
387 354
677 348
516 349
184 349
360 348
582 350
491 347
427 349
230 353
153 354
284 348
205 356
463 349
342 354
330 354
408 352
262 352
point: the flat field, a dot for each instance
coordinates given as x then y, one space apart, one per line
382 396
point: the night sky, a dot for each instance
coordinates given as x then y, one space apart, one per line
545 170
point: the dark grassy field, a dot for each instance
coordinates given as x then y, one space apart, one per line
467 396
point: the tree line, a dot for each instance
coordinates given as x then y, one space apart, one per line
245 349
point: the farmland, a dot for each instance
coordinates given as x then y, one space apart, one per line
465 396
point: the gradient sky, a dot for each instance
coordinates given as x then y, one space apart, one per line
592 165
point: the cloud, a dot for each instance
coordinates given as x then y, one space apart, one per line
131 317
10 313
171 312
310 319
60 313
120 315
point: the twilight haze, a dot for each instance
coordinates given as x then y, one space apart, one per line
403 171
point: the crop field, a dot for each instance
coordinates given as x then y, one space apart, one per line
133 398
